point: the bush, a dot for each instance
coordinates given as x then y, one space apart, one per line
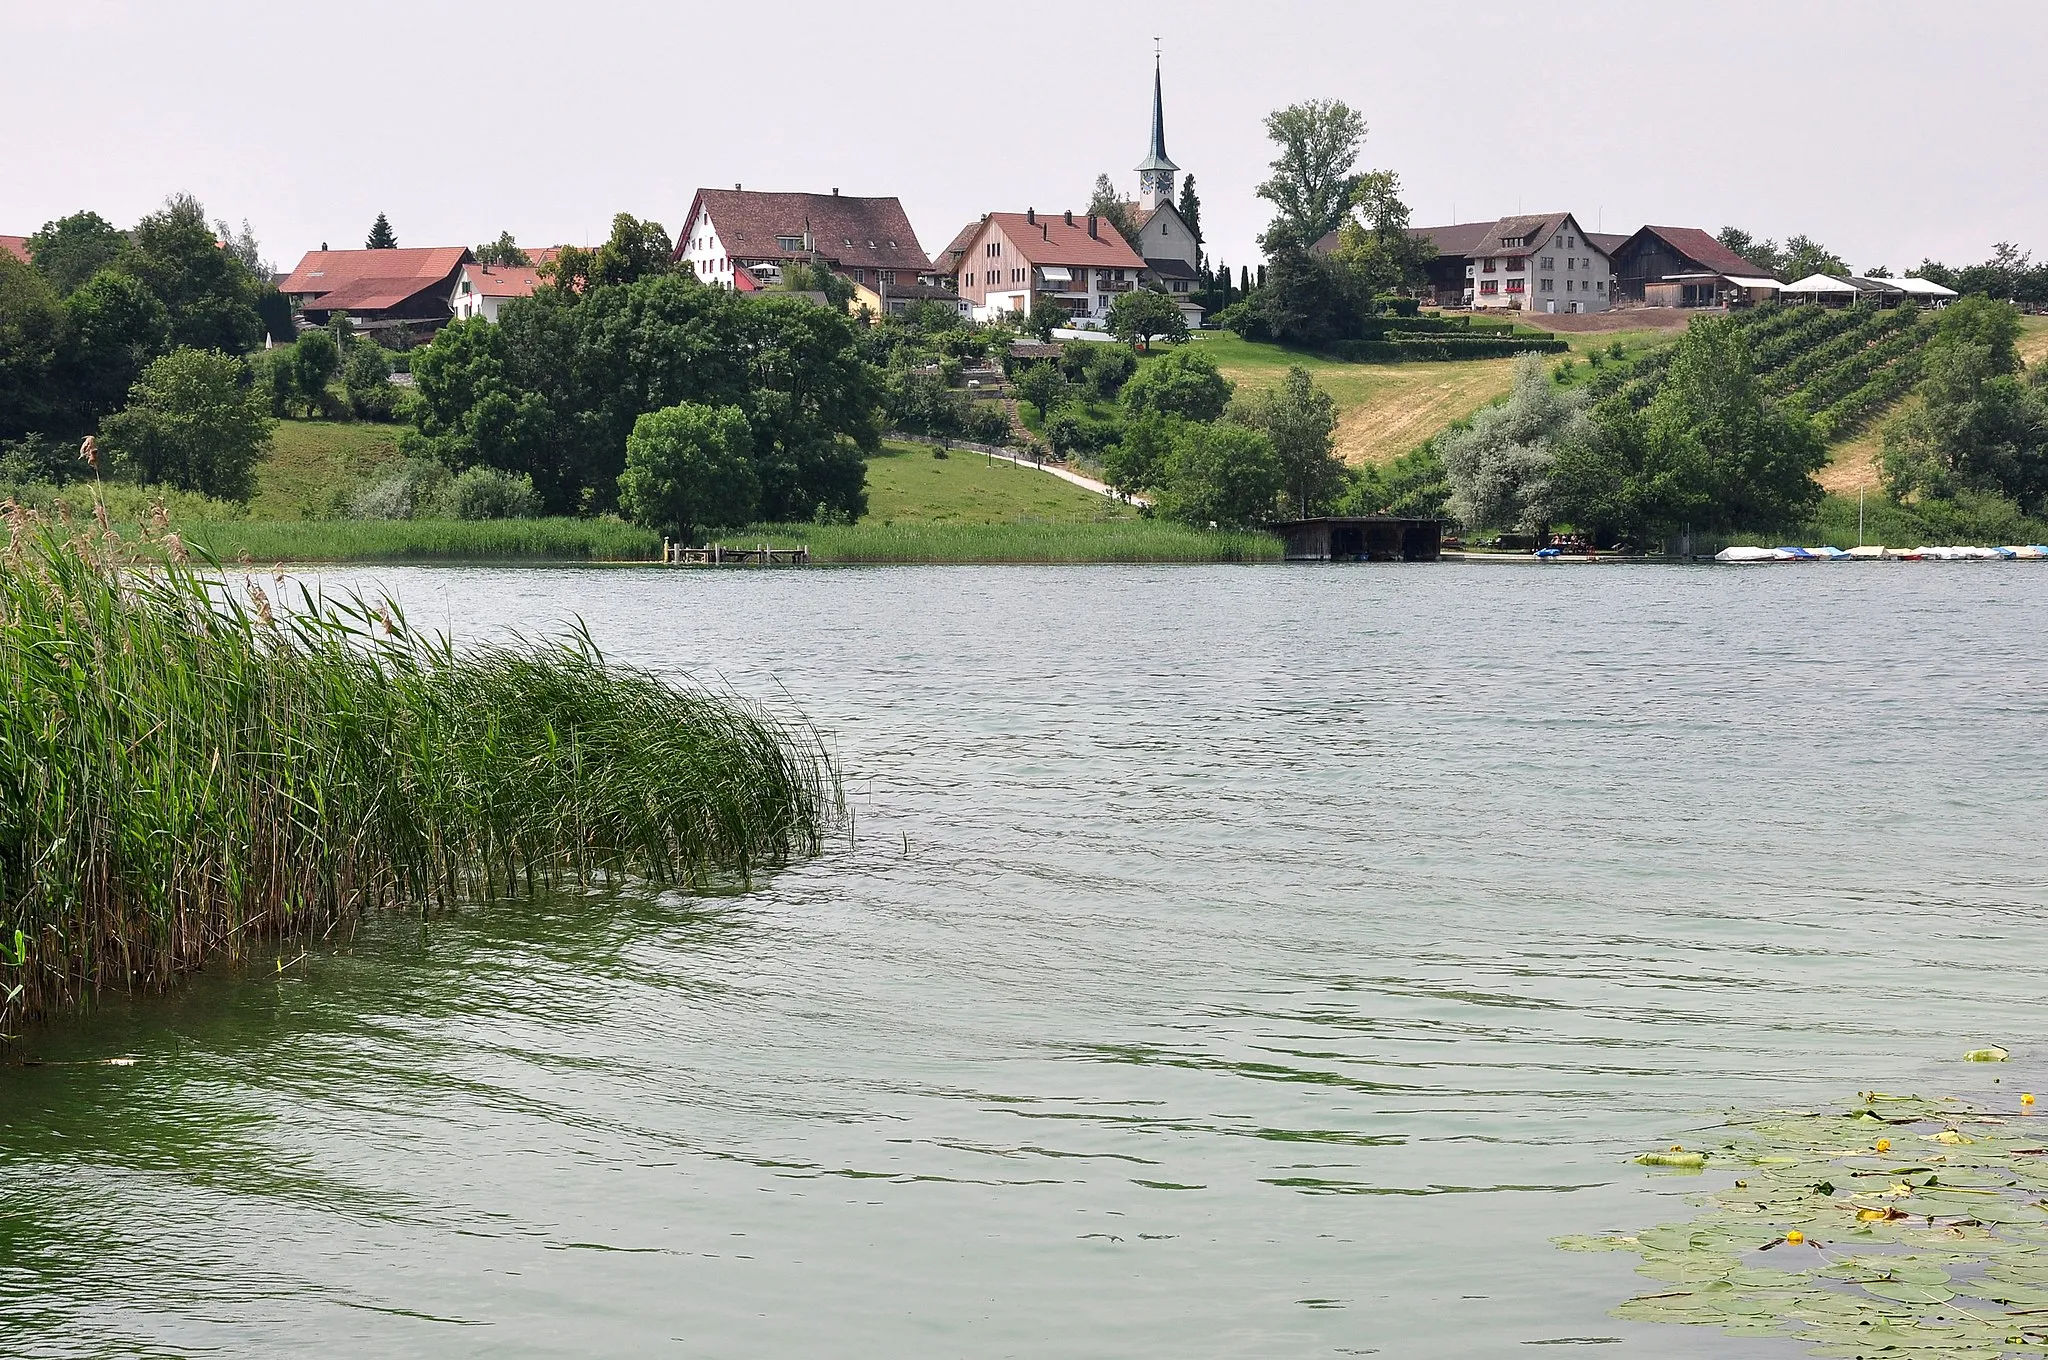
366 377
1390 305
487 493
1396 347
1222 475
986 423
1245 320
413 490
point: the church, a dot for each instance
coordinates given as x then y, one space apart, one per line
1007 263
1173 256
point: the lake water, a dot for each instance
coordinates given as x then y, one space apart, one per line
1221 962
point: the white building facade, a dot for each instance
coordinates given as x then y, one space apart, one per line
1545 263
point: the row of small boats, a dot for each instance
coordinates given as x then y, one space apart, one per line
2026 552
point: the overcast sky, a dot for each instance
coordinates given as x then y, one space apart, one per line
1888 129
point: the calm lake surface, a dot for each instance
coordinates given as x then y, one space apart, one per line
1221 962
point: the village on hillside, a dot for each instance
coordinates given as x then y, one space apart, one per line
1007 264
1522 383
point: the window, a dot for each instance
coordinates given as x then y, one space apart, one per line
1603 287
859 275
1571 262
1568 284
888 276
790 242
1513 242
1489 266
1548 286
1515 285
1550 261
1489 285
1165 230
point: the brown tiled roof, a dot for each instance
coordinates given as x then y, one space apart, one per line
1606 241
17 246
1703 250
1050 241
947 261
852 233
372 280
1172 269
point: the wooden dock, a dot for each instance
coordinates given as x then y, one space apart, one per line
719 555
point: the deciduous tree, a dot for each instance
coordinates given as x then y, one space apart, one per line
689 468
1499 466
1183 382
72 249
1141 316
1312 181
1300 420
1221 474
193 423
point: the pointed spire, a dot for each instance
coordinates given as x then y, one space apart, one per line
1157 159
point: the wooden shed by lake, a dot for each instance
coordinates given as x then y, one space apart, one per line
1361 538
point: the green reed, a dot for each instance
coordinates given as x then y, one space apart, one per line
185 767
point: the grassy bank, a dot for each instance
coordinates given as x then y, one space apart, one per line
181 771
403 540
1123 540
314 463
906 484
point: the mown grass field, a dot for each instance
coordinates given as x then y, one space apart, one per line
1385 410
907 485
311 461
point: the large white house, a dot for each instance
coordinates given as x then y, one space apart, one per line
1546 263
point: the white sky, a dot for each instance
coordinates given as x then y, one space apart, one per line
1889 129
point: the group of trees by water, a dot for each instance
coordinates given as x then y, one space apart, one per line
1716 434
138 335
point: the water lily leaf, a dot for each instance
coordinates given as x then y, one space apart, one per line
1753 1277
1583 1243
1900 1292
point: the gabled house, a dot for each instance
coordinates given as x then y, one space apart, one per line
1541 263
1014 259
17 246
483 289
865 240
379 289
1686 267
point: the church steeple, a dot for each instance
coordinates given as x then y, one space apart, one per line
1156 173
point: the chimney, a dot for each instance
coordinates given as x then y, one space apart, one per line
835 191
1031 216
1092 226
736 187
1070 217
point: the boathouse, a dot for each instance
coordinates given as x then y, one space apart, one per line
1361 538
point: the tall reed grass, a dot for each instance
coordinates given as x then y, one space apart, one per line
186 765
424 540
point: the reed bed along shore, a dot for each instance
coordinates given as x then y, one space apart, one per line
187 765
407 540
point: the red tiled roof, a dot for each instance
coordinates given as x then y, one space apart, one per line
853 233
372 280
1703 250
501 281
17 246
1051 241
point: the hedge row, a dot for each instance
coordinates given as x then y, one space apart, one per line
1397 347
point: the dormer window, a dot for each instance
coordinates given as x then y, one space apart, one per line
1513 242
790 242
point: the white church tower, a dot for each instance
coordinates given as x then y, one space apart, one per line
1156 173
